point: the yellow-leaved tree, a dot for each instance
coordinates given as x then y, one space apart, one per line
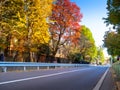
12 26
25 23
37 12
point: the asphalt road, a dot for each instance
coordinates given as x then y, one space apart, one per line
83 78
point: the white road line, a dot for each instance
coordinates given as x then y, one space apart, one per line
19 80
98 85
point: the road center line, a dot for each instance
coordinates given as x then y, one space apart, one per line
43 76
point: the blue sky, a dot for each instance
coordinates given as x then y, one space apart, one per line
93 11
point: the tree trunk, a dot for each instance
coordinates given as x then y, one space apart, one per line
7 49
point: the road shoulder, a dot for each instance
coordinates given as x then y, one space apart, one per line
109 82
116 79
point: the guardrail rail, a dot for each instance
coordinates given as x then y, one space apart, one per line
11 66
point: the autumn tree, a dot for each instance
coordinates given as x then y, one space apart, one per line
10 23
64 25
24 24
37 12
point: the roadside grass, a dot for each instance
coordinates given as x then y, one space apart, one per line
116 74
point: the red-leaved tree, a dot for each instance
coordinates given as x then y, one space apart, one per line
64 26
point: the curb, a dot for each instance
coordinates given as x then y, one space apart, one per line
98 85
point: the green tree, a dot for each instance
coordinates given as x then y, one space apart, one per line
100 56
73 54
113 15
85 49
111 39
87 44
111 42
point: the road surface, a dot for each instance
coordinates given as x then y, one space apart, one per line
82 78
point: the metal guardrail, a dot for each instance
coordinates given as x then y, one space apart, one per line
6 65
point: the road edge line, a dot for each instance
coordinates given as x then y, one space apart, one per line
98 85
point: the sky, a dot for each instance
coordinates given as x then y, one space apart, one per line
93 11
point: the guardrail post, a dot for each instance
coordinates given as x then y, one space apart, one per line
24 68
38 68
4 69
48 67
